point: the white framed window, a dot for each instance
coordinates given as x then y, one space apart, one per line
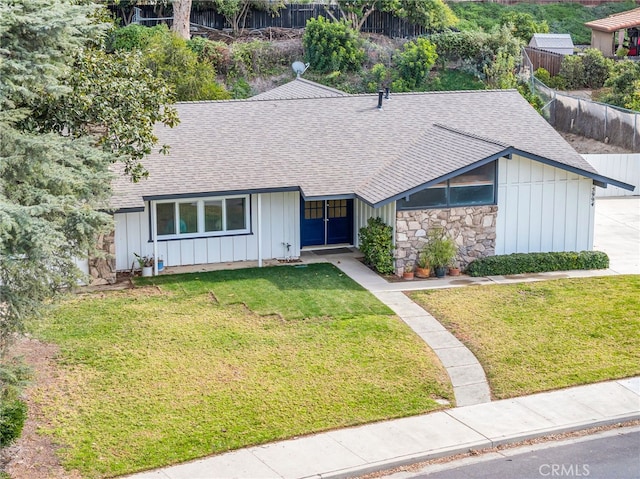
197 217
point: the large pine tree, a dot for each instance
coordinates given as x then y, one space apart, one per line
67 112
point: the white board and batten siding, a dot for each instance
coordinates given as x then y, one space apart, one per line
280 227
542 208
622 167
362 212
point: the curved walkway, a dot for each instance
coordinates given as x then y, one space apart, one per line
467 376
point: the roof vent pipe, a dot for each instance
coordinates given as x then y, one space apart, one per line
380 93
386 93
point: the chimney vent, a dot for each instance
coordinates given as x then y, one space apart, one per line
380 93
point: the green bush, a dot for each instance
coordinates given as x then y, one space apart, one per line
14 376
517 263
376 243
596 68
13 413
332 46
215 53
168 57
133 37
414 62
543 75
572 70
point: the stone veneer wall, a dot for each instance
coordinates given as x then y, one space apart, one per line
472 227
103 270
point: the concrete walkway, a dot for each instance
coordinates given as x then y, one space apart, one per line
384 445
467 376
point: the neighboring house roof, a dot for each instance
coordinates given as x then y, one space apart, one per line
298 88
552 41
619 21
344 146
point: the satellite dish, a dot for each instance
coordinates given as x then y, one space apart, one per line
299 67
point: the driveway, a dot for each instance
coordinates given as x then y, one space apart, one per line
617 232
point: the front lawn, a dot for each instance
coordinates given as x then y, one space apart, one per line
539 336
190 365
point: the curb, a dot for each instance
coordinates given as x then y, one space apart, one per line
400 461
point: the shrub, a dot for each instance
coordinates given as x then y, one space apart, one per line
543 75
14 376
572 70
133 37
215 53
415 61
517 263
13 413
596 68
332 46
376 244
168 57
376 78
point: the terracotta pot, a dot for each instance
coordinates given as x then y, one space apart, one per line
454 271
407 275
423 272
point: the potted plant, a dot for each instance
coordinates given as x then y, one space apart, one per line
146 264
440 250
423 268
454 268
408 271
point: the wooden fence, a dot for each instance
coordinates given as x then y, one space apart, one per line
539 58
294 16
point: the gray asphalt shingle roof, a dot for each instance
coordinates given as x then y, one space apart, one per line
340 145
298 88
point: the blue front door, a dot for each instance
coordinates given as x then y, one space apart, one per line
326 222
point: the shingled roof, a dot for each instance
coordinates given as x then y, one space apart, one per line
619 21
298 88
343 146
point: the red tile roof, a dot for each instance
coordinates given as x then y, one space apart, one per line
616 22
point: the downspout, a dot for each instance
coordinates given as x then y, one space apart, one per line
259 230
154 235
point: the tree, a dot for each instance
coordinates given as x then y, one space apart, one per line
623 85
181 17
332 46
414 63
356 12
523 25
434 15
235 11
59 96
431 14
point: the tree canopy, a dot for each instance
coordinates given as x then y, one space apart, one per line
68 111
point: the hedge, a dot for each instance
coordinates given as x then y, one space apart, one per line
517 263
13 413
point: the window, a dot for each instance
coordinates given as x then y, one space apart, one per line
313 210
203 217
475 187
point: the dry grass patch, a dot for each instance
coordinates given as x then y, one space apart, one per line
539 336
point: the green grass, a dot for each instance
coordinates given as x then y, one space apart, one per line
451 80
562 17
191 365
539 336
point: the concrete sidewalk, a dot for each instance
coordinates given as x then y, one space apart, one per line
359 450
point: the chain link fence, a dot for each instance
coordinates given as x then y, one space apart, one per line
571 114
